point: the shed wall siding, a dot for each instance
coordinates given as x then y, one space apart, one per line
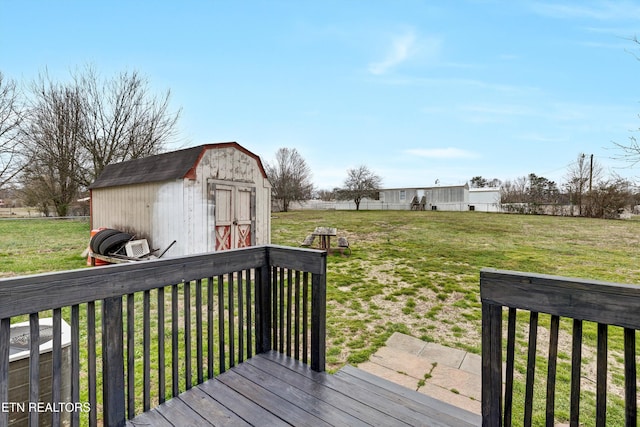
140 208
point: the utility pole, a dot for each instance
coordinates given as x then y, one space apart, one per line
591 175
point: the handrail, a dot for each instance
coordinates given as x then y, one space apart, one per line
606 304
219 309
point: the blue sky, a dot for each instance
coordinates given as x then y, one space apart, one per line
416 90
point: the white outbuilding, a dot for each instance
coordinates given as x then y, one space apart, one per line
207 198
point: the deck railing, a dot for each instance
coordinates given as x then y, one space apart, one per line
592 317
144 332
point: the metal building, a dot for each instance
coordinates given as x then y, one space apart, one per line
444 198
207 198
447 198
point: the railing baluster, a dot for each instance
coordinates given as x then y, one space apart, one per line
240 319
34 365
75 362
56 357
281 310
131 357
601 376
175 360
631 406
531 368
199 358
221 334
249 304
5 334
274 308
210 336
146 344
161 359
296 331
289 309
511 343
576 364
91 356
551 371
187 333
230 317
305 317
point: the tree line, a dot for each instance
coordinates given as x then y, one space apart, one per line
587 191
56 137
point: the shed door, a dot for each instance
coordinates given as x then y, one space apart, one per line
223 217
243 219
234 216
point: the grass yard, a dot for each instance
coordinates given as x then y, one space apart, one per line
412 272
418 272
30 246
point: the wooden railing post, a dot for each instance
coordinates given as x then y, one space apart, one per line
263 309
319 317
491 365
112 362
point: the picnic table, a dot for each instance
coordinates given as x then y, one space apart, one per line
325 233
324 243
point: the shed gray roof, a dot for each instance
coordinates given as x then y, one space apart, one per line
162 167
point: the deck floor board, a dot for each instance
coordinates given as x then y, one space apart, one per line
272 389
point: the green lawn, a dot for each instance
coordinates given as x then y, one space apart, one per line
418 272
413 272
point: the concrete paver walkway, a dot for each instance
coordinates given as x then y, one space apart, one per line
447 374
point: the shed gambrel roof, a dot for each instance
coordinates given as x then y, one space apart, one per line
178 164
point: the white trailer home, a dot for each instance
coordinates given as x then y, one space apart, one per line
446 198
207 198
485 199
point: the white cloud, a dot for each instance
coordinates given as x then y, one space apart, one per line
401 50
404 47
442 153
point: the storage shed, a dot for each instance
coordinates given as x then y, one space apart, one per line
207 198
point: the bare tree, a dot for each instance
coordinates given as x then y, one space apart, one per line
10 118
52 138
122 119
72 130
580 178
290 178
609 198
361 182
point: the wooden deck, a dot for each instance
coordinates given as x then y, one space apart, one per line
273 389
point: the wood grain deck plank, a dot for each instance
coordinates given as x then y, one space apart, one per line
150 418
178 413
318 388
273 403
293 392
211 410
273 389
248 410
